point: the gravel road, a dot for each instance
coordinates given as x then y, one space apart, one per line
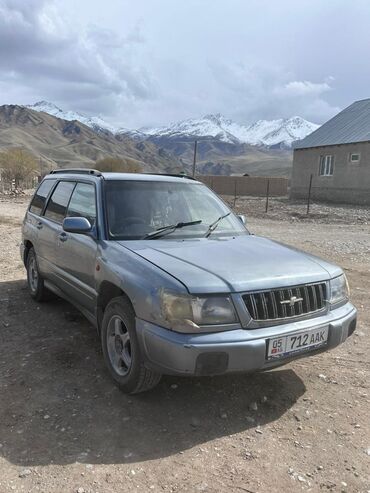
64 427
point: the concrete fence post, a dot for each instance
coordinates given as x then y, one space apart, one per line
309 195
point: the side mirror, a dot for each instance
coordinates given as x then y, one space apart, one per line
76 225
242 219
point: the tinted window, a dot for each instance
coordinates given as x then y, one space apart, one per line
82 203
39 198
57 206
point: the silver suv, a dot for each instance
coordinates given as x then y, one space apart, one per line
172 279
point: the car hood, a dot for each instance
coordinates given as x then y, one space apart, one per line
232 264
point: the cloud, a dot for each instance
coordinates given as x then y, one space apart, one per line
91 69
304 88
147 63
255 91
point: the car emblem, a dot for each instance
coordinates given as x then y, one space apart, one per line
292 301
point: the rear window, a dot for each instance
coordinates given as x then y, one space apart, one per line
38 201
57 205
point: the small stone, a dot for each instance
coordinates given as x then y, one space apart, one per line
80 490
264 399
25 473
46 416
322 377
258 430
357 426
301 479
253 406
299 428
367 451
344 484
320 468
224 416
133 472
174 386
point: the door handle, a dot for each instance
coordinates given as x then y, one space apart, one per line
39 225
63 237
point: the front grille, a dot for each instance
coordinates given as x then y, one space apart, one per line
280 303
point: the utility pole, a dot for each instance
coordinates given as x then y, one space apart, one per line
267 196
39 178
195 157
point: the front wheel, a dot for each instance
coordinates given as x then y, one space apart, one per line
121 349
35 282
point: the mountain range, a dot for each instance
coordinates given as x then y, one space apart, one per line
58 142
68 138
263 132
281 132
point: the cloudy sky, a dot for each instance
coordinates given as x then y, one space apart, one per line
149 62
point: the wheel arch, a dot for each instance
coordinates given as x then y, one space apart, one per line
27 247
107 291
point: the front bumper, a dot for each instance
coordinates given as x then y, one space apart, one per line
239 350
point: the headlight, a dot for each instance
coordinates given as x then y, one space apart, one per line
339 289
186 313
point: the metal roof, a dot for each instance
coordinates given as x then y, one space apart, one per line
349 126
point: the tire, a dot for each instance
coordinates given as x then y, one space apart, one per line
121 349
35 282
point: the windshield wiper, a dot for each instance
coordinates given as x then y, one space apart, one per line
214 225
165 230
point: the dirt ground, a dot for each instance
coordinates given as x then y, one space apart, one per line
65 427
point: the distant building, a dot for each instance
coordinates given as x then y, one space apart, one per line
338 156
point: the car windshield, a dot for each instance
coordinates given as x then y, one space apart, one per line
137 208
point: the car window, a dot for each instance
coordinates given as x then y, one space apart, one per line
38 201
82 203
57 205
136 208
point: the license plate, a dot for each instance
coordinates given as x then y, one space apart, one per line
283 346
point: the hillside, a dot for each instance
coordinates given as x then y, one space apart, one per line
58 142
224 158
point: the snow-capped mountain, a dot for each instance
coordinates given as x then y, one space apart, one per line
263 132
95 122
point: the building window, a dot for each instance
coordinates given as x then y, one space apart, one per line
354 158
326 165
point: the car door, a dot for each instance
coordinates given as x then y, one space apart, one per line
51 230
33 225
77 252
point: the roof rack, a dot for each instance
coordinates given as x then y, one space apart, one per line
175 175
78 171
